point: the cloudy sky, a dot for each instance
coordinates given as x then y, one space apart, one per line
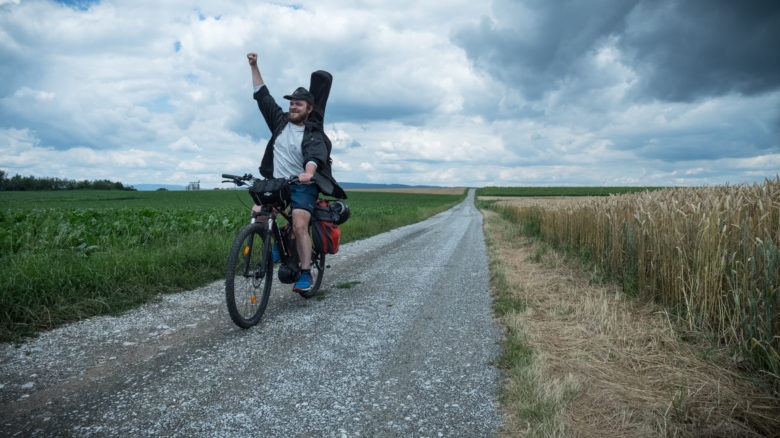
457 92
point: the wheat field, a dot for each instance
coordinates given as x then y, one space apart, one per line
710 254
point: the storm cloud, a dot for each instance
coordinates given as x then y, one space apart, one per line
678 50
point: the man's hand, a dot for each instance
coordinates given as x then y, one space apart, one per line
308 173
305 178
252 57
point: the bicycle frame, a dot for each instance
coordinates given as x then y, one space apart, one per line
273 227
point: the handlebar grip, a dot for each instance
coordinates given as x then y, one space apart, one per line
228 176
294 179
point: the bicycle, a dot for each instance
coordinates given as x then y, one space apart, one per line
250 266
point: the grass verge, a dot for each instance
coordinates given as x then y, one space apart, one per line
531 408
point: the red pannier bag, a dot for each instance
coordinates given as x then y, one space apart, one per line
324 233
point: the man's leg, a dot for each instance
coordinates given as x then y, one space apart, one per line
303 199
301 219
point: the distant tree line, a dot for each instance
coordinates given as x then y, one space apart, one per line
29 183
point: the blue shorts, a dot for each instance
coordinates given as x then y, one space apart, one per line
304 196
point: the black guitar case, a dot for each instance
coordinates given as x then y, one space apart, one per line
319 86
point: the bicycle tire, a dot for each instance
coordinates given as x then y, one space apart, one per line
317 272
250 250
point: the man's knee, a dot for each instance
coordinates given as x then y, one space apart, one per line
301 220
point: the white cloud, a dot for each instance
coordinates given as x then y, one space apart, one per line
160 92
25 92
184 144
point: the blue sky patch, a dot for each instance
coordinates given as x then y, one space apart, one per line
81 5
161 105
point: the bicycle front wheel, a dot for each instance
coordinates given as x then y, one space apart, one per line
249 275
317 272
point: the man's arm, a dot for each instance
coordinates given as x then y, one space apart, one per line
257 79
274 115
315 152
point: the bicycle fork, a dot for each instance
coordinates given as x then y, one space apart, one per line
261 262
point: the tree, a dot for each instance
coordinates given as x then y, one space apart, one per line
19 183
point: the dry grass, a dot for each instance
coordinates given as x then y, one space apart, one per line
421 191
709 254
608 365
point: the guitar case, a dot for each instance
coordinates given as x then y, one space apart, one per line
319 87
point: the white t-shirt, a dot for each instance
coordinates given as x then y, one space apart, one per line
288 157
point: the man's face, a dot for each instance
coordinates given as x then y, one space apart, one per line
299 111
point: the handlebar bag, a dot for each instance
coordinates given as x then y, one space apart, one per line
271 192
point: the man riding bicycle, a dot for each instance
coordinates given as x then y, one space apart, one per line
298 146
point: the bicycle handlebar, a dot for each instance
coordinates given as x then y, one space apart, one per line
241 180
237 180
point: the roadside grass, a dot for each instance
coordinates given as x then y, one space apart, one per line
530 409
583 359
45 289
66 256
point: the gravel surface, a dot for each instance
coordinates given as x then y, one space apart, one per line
404 351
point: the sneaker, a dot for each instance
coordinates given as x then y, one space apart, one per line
275 253
304 283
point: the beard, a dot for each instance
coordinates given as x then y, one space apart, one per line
297 117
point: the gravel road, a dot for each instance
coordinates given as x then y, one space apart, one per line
405 351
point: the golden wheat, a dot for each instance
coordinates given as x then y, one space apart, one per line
710 253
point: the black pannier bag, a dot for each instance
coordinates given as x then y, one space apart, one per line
325 232
270 191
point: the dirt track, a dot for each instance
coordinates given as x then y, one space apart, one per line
405 351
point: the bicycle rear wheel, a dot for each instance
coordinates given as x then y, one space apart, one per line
249 275
317 272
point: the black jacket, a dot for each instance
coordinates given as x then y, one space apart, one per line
315 146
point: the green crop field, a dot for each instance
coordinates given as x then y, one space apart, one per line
561 191
118 198
68 255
